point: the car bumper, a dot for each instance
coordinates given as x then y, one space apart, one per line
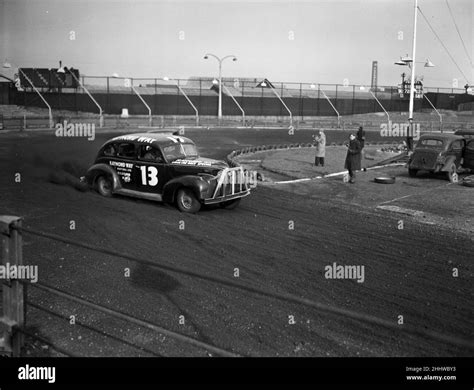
226 198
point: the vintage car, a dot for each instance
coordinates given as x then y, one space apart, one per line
466 133
166 168
441 152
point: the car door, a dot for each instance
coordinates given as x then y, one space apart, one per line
122 161
151 171
456 149
469 155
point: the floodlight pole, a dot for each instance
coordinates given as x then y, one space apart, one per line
412 84
101 116
238 105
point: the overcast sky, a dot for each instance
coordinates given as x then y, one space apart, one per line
299 41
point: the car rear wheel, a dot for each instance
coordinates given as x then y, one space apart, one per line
230 204
452 173
104 186
187 202
412 172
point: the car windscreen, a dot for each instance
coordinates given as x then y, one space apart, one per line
179 151
430 143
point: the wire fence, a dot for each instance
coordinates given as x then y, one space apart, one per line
15 230
240 97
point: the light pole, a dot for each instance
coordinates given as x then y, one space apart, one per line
410 62
7 65
220 60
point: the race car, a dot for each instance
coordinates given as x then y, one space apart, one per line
167 168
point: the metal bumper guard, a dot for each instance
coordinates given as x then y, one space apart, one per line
232 183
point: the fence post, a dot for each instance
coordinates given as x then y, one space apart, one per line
13 291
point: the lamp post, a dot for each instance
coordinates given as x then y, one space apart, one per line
7 65
407 61
220 61
410 62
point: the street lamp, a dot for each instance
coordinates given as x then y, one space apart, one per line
7 65
410 62
220 60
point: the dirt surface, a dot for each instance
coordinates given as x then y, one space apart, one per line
409 272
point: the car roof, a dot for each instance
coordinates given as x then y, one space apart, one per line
441 136
464 132
155 139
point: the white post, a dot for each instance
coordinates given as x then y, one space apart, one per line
439 114
282 102
51 122
235 101
334 108
189 101
412 83
219 114
150 118
380 104
101 117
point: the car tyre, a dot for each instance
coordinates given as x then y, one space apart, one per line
187 202
452 173
384 180
412 172
104 186
230 204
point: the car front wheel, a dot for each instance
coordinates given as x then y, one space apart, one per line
104 186
187 202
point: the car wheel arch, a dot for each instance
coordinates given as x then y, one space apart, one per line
97 170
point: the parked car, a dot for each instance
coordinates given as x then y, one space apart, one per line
438 152
166 168
466 133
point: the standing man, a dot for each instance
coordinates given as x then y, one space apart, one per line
353 157
320 149
361 139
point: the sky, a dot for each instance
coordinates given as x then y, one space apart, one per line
317 41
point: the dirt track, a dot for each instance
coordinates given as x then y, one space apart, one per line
408 272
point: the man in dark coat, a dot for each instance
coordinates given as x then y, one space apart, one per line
353 157
361 137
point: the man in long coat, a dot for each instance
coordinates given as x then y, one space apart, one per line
320 149
353 157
